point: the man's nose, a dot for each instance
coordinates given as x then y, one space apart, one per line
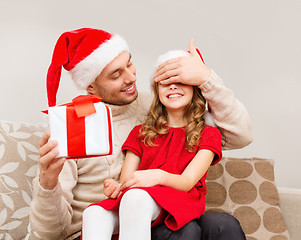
130 76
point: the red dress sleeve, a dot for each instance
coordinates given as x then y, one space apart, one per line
133 142
211 139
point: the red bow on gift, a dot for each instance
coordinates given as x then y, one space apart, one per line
83 105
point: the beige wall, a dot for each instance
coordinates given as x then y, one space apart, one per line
253 45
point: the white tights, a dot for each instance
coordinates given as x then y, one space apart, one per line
133 220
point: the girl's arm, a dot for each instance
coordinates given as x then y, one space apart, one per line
130 165
112 188
184 182
192 173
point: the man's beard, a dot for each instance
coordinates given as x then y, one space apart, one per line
120 102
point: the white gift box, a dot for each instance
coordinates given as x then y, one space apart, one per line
82 128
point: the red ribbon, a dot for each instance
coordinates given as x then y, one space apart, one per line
110 130
76 112
76 137
83 106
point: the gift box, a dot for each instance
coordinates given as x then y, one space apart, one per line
82 128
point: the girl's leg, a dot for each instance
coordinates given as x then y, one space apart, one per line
136 212
99 223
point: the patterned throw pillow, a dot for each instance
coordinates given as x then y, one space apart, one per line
18 165
246 189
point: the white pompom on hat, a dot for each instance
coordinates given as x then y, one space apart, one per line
84 53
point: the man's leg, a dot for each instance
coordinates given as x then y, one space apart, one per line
220 226
191 231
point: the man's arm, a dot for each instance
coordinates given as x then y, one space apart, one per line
50 209
229 114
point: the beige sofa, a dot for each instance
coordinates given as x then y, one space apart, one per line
242 187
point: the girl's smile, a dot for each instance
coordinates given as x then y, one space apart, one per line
175 96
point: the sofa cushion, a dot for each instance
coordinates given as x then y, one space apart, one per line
18 165
246 189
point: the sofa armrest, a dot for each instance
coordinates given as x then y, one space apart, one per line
290 204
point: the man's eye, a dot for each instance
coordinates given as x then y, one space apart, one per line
115 76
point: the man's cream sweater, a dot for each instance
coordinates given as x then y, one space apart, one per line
57 214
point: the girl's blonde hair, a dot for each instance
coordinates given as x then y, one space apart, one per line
157 118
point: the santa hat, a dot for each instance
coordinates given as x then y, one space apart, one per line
84 53
173 54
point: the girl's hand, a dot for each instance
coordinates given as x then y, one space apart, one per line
111 188
143 178
185 70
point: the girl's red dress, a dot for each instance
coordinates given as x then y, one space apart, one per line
170 154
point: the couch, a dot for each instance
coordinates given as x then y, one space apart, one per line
243 187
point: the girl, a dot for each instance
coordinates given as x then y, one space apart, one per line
165 167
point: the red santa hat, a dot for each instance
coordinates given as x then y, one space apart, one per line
84 53
173 54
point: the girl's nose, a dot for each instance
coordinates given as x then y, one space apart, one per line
173 86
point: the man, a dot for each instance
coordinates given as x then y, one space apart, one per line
101 63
